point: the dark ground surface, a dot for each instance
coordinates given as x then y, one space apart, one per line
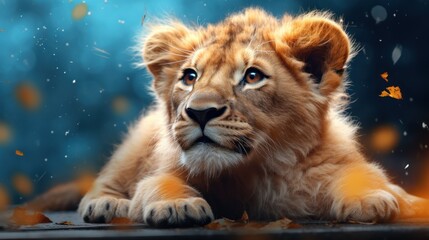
415 229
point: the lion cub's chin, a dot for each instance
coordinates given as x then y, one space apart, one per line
209 159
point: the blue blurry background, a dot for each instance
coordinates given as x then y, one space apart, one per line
69 88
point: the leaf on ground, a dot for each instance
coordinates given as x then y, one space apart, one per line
225 223
393 92
22 216
384 76
121 220
279 224
64 223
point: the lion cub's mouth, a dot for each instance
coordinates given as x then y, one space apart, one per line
238 147
207 140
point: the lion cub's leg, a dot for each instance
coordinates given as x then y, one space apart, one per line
361 192
102 204
165 200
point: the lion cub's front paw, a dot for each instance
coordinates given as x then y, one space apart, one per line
375 206
103 209
175 213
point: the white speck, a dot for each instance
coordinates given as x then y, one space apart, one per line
406 173
74 81
426 146
48 80
205 4
67 133
380 40
52 131
65 156
101 90
46 159
71 61
121 21
394 14
425 126
379 13
67 44
411 99
406 166
44 27
119 65
128 78
114 125
89 13
396 54
405 133
52 177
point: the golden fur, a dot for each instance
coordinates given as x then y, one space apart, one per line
283 147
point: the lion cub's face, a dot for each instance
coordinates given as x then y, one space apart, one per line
236 91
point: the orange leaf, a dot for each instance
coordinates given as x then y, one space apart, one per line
393 92
79 11
121 220
22 184
28 96
384 76
4 198
65 223
5 133
22 216
19 153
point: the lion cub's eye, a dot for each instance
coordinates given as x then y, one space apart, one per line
189 77
253 75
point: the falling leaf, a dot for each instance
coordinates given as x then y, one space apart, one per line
4 198
67 223
121 220
22 216
19 153
5 133
384 138
396 54
120 105
28 96
84 183
384 76
79 11
393 92
22 184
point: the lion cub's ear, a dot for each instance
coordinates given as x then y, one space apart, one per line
321 44
166 47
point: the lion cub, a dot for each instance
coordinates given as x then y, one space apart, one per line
248 116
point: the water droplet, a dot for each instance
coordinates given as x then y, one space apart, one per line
379 13
396 54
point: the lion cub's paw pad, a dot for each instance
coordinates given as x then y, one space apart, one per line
184 212
102 210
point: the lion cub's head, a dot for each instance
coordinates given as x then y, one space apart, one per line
251 88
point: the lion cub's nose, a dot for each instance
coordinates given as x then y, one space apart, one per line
203 116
